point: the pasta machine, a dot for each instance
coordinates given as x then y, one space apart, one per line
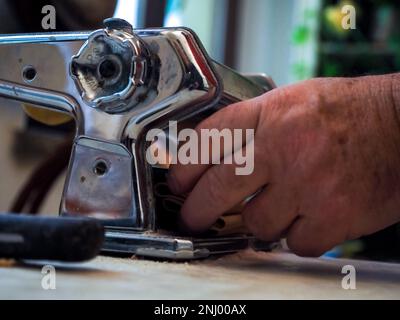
118 83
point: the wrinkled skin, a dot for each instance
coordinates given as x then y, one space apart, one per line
327 161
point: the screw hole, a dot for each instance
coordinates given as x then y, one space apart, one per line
100 168
108 69
29 73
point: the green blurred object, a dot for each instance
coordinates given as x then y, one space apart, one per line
372 48
304 39
301 35
300 70
331 69
333 18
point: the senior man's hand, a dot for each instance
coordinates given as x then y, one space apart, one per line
327 162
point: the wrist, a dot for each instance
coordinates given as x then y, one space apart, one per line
382 95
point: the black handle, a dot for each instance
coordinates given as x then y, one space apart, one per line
48 238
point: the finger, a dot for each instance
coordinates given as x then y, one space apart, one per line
218 190
313 237
242 115
270 213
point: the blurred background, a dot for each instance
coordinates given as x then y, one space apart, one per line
290 40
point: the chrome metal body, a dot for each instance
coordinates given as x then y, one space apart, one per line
159 75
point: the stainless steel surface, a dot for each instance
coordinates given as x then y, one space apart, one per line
99 184
151 76
113 69
167 246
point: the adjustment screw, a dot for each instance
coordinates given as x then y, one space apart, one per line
118 24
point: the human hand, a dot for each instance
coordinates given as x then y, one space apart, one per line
326 153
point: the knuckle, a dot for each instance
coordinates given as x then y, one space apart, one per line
256 222
222 180
217 187
233 181
282 93
262 157
303 249
217 119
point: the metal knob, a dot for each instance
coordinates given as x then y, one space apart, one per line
110 67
